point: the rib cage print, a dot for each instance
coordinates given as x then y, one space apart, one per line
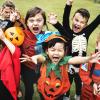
79 44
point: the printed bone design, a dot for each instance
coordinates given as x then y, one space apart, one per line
79 44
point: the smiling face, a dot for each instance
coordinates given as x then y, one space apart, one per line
56 52
36 23
78 23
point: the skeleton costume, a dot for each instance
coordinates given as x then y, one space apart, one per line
78 45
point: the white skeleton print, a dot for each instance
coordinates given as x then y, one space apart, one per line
79 44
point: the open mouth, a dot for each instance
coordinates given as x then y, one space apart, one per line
35 29
76 27
55 59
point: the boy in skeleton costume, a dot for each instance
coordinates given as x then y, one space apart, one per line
79 35
90 75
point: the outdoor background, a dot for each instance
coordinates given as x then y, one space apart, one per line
57 6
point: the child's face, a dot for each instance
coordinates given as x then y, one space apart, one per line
36 23
78 23
56 53
6 12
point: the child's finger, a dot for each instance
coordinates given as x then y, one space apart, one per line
22 61
98 62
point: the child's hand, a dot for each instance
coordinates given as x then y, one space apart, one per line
95 89
2 36
95 58
98 87
25 58
52 18
15 15
69 2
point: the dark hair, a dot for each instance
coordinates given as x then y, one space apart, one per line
33 11
8 3
84 12
52 43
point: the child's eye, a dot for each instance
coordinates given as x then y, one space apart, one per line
39 20
61 50
52 50
31 20
76 20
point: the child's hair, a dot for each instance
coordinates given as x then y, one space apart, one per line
84 12
8 3
34 11
52 43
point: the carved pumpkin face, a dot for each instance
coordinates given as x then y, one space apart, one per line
15 35
52 87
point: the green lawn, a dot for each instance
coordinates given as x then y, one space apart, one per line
57 7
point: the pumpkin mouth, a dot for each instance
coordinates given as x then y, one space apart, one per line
50 95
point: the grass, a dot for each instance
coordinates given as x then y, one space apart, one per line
57 6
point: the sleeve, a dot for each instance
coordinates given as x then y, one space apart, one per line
65 60
16 65
66 16
17 53
84 73
62 30
92 26
10 24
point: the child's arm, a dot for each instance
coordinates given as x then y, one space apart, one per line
92 26
79 60
35 59
52 19
10 46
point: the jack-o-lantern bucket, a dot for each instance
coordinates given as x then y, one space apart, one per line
15 35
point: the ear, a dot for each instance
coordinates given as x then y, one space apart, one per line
46 51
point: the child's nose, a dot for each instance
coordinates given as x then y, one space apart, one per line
35 23
56 52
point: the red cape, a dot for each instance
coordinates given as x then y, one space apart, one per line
10 70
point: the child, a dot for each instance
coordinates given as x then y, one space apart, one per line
54 82
79 35
90 75
35 20
9 69
9 15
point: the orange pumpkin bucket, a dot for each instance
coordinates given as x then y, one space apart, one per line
15 35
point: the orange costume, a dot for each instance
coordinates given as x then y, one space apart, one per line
88 79
53 81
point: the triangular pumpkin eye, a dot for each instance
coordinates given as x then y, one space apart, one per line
17 38
12 33
11 39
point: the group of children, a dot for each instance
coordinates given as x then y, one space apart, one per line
52 60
